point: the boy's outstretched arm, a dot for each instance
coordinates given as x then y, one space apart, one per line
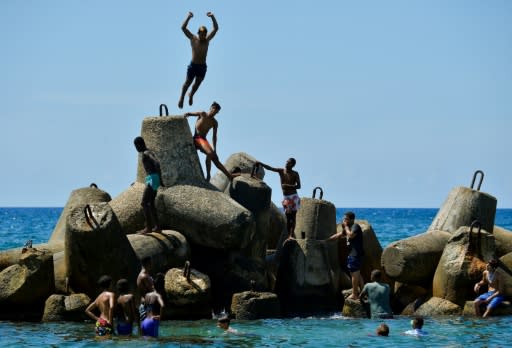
266 166
184 26
215 26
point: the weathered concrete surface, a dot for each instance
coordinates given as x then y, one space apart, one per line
316 219
81 196
461 265
24 287
354 309
169 137
437 306
93 249
254 195
252 305
463 206
405 294
128 209
305 282
207 217
187 298
167 249
505 268
240 159
414 260
66 308
505 308
503 240
12 256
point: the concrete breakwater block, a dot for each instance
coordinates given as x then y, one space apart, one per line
503 239
12 256
66 308
414 260
206 217
241 160
167 249
305 280
95 245
81 196
461 265
463 206
253 305
24 287
316 219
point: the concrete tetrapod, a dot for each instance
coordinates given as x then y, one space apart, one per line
461 265
414 260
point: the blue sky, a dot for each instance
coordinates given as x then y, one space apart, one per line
382 103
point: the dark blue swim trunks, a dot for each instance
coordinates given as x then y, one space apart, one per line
353 264
196 70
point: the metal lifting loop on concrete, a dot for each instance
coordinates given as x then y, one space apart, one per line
186 270
475 223
93 185
89 217
254 170
163 106
321 192
481 179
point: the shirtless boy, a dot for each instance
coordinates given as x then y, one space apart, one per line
205 122
290 183
153 182
105 304
494 296
154 311
197 68
125 311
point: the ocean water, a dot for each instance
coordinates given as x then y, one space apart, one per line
17 225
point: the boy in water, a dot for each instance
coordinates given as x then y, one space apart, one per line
145 284
154 306
105 304
494 296
382 330
205 122
290 183
153 182
125 310
223 323
417 325
197 68
378 296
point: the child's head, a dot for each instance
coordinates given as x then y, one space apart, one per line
383 330
139 143
122 286
105 282
223 322
417 323
215 107
376 275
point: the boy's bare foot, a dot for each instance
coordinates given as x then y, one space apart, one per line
352 297
190 99
180 103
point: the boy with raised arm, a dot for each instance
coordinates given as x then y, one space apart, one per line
290 183
205 122
197 68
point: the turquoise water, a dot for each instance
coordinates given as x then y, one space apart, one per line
19 224
334 331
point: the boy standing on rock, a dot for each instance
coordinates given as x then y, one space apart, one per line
205 122
105 303
153 182
290 183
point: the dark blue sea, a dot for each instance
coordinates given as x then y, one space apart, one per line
17 225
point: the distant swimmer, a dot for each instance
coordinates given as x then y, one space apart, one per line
153 182
205 122
125 310
417 328
494 296
223 323
197 68
104 303
382 330
290 183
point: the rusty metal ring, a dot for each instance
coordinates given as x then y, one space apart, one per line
474 178
163 106
321 192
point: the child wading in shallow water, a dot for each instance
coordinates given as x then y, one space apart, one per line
105 304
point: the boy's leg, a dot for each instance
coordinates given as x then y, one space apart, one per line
186 85
156 224
208 163
193 91
146 202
